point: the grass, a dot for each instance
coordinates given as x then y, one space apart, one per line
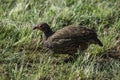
21 54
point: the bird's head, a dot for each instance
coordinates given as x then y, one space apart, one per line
43 27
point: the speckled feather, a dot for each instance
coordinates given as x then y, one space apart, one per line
69 39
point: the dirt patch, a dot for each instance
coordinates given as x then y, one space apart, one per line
113 52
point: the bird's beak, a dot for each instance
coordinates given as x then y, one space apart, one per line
35 27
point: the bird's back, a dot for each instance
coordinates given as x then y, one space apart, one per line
74 33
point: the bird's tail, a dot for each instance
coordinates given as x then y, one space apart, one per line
97 41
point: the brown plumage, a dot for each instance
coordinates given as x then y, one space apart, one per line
68 39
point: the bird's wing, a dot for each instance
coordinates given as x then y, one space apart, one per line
73 33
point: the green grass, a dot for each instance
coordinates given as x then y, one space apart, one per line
22 56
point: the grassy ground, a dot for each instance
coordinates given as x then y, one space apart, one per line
22 57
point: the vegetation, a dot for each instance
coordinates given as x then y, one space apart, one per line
22 56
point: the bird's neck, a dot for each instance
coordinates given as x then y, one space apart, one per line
48 33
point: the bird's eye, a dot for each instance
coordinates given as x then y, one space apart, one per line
41 26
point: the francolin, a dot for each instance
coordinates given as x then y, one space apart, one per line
68 40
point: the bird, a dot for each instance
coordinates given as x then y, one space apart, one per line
69 39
